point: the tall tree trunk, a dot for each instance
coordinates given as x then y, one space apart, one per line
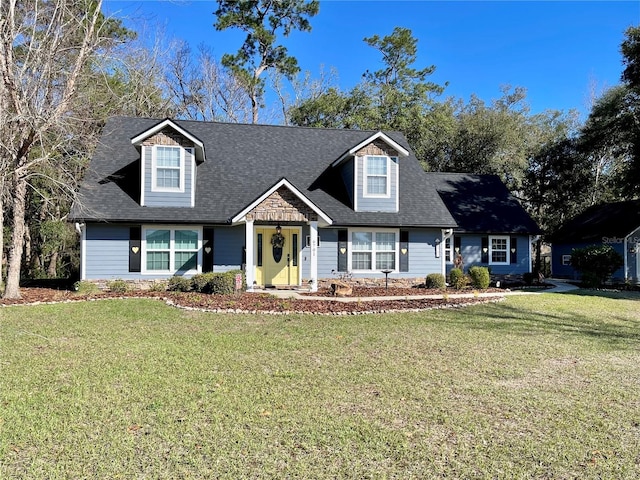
52 269
12 289
2 182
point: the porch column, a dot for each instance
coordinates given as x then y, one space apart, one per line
313 267
248 242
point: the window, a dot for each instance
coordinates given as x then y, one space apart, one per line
168 169
377 176
373 251
566 260
499 250
171 250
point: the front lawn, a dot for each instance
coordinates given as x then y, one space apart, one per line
538 386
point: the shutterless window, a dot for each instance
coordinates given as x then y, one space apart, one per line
377 176
168 167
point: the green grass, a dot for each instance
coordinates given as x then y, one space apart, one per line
540 386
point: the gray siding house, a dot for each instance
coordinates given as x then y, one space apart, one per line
292 206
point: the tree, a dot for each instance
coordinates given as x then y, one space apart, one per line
596 263
395 97
45 48
263 20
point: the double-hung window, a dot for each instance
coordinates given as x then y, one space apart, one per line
377 176
168 169
373 251
499 250
171 250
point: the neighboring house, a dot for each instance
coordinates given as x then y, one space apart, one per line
615 224
291 205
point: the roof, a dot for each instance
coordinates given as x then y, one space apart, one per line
244 161
618 219
482 204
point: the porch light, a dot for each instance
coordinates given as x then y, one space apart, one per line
278 229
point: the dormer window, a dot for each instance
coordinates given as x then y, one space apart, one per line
377 176
167 169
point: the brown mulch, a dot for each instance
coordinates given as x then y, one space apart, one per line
360 292
257 302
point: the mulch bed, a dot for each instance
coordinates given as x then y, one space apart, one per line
360 292
258 302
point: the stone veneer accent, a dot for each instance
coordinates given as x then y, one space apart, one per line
282 206
377 147
168 136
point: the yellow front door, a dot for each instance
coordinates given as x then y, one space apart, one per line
277 257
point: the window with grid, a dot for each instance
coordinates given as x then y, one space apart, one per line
373 251
186 250
499 250
377 176
158 249
171 250
168 168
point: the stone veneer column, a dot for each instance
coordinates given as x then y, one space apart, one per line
249 266
313 267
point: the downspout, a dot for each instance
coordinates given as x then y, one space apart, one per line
82 231
446 234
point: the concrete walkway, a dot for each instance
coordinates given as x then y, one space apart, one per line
560 287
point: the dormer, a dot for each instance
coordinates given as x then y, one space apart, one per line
371 173
169 155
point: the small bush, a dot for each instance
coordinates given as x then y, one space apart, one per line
200 282
435 280
158 287
84 287
479 277
179 284
457 279
222 284
118 286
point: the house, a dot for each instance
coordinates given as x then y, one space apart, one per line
615 224
292 206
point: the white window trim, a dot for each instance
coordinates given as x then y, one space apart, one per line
508 251
172 250
365 186
154 169
373 231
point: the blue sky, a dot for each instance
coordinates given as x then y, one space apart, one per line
558 51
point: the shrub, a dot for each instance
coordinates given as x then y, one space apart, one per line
435 280
158 287
179 284
200 282
457 279
479 277
118 286
596 263
222 284
84 287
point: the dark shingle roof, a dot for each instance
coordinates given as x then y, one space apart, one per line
242 162
608 220
482 204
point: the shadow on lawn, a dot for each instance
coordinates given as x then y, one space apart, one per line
616 330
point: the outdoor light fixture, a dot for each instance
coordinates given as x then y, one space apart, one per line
278 229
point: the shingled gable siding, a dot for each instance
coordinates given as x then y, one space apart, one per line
283 206
471 252
168 137
376 204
